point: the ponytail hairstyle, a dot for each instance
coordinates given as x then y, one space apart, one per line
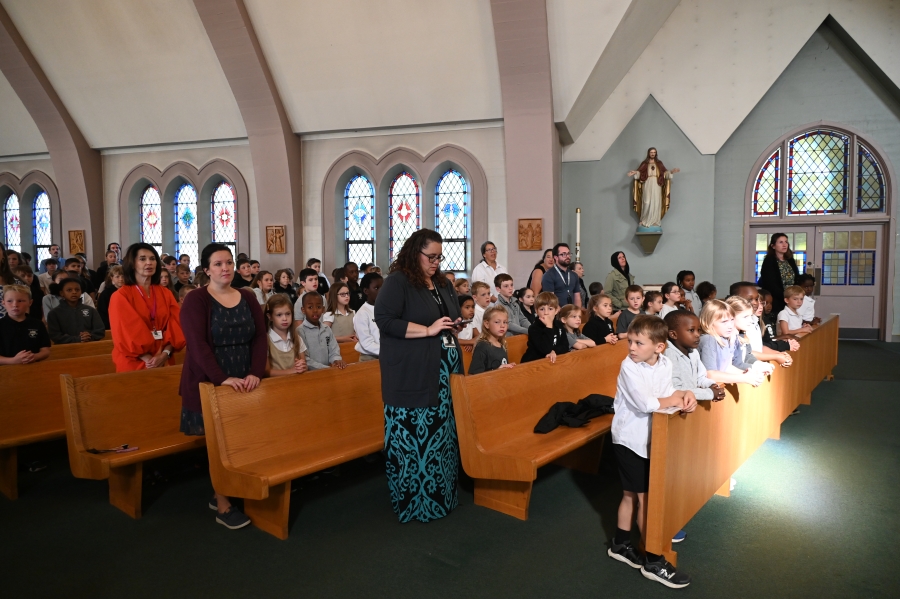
333 295
713 311
649 298
274 302
567 311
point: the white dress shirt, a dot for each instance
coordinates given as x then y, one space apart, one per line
483 272
285 345
637 396
808 310
366 331
794 320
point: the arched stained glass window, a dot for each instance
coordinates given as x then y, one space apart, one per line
43 233
404 206
223 214
870 182
451 219
359 220
11 223
818 177
151 218
765 192
186 237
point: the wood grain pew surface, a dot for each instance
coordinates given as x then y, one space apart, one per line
141 409
289 427
693 456
31 407
496 413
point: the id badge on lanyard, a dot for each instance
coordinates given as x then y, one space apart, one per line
157 334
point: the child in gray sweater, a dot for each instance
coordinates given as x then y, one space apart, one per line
72 321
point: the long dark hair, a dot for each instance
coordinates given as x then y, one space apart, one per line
129 259
614 260
6 276
788 255
407 260
543 257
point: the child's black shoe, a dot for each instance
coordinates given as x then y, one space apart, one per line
625 553
665 573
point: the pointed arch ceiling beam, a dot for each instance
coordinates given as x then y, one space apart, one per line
76 165
274 148
642 20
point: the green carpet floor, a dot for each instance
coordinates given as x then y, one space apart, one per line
813 515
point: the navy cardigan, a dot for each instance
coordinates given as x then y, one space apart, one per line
410 368
200 364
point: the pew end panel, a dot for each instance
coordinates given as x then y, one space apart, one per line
292 426
348 352
104 411
496 413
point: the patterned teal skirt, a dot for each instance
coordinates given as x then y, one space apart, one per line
422 452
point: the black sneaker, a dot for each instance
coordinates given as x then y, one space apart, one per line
233 519
625 553
665 573
213 504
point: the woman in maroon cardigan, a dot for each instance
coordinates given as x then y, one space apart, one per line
226 345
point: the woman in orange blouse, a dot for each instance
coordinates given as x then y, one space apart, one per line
143 317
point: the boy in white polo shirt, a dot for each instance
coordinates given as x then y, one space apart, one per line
789 320
644 386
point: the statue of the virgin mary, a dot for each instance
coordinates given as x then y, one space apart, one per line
650 192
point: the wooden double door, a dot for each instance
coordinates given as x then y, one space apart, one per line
849 264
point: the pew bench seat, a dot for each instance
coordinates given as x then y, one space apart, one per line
142 409
496 413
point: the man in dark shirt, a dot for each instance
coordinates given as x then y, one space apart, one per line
357 299
73 267
23 340
560 280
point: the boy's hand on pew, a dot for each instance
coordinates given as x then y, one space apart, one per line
507 365
23 357
718 392
612 338
339 364
85 336
552 357
689 403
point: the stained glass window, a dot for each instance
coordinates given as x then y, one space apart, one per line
862 268
187 240
151 217
834 268
870 182
451 219
765 192
359 220
817 173
223 213
43 234
404 215
11 223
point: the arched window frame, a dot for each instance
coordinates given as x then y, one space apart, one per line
781 150
42 230
12 222
218 214
456 239
401 231
151 222
187 223
359 237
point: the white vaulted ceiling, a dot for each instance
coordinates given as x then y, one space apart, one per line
130 72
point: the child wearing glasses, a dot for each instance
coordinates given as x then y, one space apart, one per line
339 316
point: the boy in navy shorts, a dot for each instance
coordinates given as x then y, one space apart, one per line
644 386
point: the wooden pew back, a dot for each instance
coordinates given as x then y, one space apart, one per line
693 456
505 404
80 350
515 349
284 414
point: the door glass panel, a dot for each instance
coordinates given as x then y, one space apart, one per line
762 242
828 240
856 238
799 242
760 256
834 268
841 240
800 259
862 268
870 238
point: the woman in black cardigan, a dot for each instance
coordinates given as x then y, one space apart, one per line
417 313
778 270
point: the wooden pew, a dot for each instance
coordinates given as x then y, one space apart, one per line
348 352
496 413
515 349
693 456
142 409
289 427
79 350
31 406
